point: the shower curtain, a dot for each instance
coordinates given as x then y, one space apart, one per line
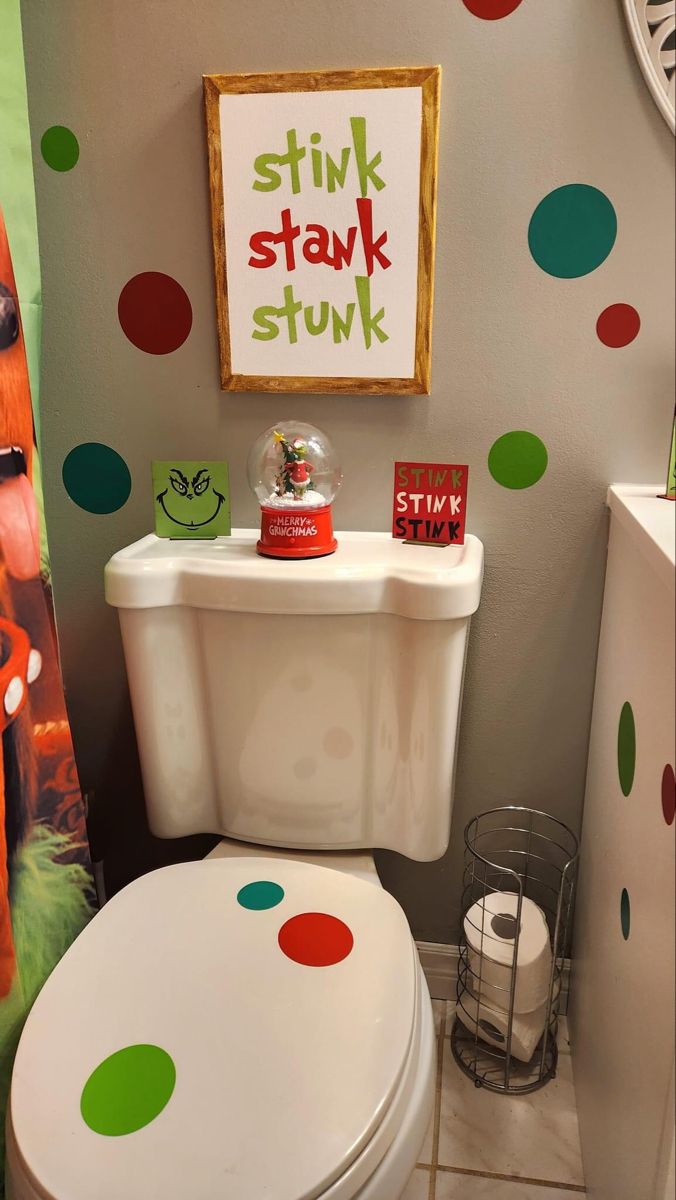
46 894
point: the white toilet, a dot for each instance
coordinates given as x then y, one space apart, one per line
256 1025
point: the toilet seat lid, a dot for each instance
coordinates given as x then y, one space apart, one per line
231 1027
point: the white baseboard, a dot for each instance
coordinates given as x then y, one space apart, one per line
440 964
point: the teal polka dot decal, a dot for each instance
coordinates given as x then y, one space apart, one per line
572 231
518 459
96 478
626 748
128 1090
260 895
60 148
625 913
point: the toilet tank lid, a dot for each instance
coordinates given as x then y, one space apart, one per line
369 573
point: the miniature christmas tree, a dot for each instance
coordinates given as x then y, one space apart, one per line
294 477
282 482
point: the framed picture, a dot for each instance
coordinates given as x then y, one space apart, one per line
323 199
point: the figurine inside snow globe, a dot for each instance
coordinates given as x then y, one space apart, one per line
294 472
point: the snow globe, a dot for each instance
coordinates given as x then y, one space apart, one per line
295 474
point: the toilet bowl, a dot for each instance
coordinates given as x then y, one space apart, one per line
240 1027
256 1026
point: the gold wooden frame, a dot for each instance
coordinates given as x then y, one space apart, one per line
428 79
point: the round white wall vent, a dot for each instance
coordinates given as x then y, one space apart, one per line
652 25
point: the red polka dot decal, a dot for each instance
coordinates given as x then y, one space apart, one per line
618 325
155 312
668 794
315 939
491 10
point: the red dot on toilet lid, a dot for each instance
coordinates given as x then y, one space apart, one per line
315 939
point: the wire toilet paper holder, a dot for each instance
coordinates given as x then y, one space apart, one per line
525 858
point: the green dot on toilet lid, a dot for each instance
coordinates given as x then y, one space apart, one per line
260 894
626 748
128 1090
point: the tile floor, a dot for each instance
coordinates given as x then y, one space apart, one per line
483 1146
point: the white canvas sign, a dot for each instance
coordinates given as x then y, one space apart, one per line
321 201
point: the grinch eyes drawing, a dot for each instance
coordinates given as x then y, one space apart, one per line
199 483
190 503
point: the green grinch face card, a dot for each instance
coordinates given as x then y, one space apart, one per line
192 499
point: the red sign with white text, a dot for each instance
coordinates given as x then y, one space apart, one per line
430 502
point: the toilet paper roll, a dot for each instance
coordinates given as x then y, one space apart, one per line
490 929
491 1025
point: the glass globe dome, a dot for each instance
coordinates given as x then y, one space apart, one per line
293 466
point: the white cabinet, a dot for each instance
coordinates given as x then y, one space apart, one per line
622 1000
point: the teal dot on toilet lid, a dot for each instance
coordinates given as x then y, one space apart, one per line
260 895
128 1090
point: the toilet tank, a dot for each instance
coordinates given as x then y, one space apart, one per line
304 704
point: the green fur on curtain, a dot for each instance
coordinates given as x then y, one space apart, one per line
51 903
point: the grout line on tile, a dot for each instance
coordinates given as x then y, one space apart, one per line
425 1167
437 1106
549 1183
437 1090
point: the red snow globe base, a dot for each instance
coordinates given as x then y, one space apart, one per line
293 471
289 534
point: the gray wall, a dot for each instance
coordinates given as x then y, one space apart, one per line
548 96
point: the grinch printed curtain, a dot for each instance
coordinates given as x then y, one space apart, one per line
45 883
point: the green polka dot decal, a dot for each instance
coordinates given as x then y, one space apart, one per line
625 913
260 895
572 231
518 459
128 1090
96 478
60 148
626 748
